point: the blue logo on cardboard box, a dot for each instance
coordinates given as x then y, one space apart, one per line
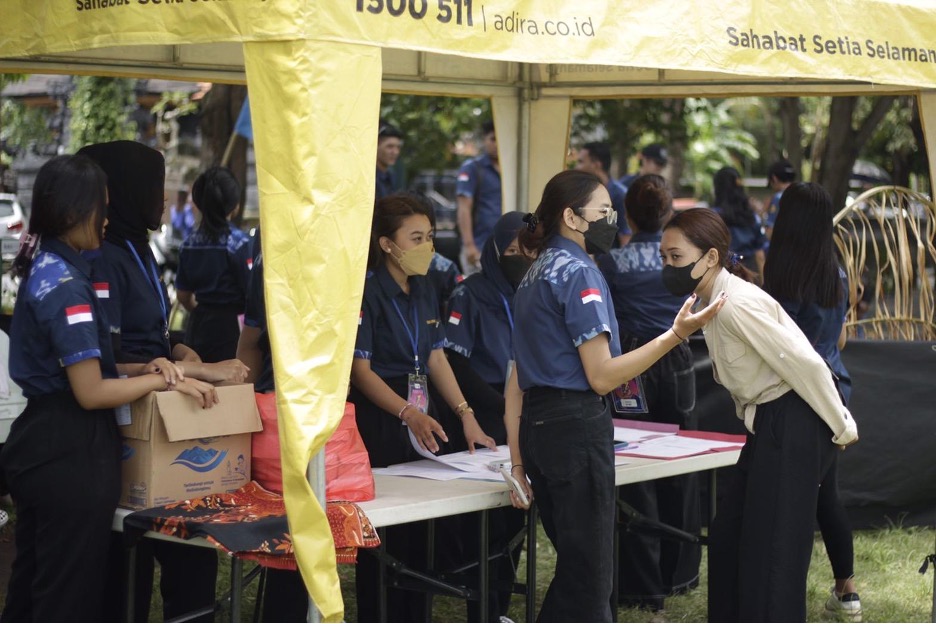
126 452
199 459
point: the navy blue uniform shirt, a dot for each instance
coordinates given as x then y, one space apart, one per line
216 271
479 330
58 321
255 316
745 240
386 331
617 192
823 326
644 308
445 276
480 180
137 304
562 302
384 184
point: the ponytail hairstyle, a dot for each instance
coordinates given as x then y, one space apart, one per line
68 191
648 203
389 213
731 199
568 189
705 229
216 193
801 262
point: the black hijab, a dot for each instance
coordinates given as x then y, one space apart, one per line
491 283
136 177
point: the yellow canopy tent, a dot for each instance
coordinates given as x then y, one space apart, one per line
315 70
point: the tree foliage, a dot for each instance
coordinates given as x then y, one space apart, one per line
433 127
100 110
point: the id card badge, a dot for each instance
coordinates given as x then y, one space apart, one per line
418 392
629 397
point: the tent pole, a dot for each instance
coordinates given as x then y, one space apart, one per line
523 149
316 476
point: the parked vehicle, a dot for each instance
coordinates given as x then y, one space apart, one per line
12 224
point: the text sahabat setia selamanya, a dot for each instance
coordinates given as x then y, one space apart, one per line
831 46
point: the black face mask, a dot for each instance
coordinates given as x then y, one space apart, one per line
679 280
514 268
600 236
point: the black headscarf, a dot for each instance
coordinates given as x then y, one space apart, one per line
491 282
136 177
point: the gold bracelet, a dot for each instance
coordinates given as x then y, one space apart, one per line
461 407
403 409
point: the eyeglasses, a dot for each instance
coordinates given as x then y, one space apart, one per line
610 214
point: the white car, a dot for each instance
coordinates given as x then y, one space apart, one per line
12 224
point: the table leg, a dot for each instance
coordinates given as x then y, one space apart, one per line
713 474
483 567
237 588
531 564
131 582
382 576
615 544
430 565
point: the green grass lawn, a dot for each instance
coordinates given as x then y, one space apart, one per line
887 563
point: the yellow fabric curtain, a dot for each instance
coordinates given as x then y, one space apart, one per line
315 112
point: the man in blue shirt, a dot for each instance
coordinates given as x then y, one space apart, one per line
780 175
389 144
181 216
479 200
595 158
653 158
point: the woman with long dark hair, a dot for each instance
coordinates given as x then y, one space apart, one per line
761 541
214 265
650 568
804 275
62 458
568 357
748 239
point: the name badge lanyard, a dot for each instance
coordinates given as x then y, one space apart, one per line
154 282
510 362
414 339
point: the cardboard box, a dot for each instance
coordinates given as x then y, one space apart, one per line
174 450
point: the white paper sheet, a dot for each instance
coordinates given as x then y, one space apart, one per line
464 460
670 447
428 469
626 434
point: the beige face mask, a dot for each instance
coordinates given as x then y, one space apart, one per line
415 261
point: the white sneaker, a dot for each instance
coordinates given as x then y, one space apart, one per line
846 606
505 620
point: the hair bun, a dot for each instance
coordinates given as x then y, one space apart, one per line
531 220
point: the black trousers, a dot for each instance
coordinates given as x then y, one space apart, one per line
761 539
566 441
835 526
213 332
650 568
387 442
62 464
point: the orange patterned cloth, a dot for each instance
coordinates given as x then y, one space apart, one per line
251 524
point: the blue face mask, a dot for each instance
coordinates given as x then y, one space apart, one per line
679 280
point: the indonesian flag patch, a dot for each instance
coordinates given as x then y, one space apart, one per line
361 318
249 264
78 314
102 289
591 294
455 318
463 176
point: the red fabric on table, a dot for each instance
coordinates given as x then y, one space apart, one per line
251 524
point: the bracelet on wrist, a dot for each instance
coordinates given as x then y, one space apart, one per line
403 409
516 466
675 333
461 407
